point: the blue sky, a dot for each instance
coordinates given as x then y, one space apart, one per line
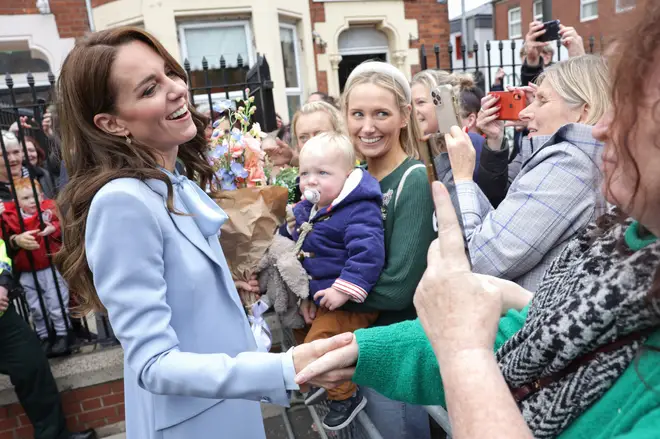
455 6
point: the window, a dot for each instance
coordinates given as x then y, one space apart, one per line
588 10
230 40
22 61
291 62
625 5
538 10
515 23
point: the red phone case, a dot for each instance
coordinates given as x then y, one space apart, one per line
511 104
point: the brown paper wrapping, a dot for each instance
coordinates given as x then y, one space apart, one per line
254 216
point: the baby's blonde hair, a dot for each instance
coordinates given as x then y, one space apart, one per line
319 146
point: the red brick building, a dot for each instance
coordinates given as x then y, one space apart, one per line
70 15
597 18
347 33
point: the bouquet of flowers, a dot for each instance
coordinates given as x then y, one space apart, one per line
241 189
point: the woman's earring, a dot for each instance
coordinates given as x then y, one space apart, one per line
128 140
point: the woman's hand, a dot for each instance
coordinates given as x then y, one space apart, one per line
47 124
530 95
534 47
308 311
461 154
251 286
335 366
571 41
499 76
488 122
279 153
26 240
24 124
459 310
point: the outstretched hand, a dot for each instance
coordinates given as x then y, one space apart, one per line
325 363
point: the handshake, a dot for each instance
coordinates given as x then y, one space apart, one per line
326 363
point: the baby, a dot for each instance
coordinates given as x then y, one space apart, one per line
338 229
32 240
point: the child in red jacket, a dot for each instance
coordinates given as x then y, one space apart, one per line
32 240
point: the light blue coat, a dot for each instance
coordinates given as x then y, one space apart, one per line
190 368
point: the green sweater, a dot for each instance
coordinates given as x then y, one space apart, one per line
408 235
398 361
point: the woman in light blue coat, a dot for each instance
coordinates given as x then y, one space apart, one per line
141 241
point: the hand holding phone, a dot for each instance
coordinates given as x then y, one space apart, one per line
572 41
551 29
511 104
533 46
446 108
488 121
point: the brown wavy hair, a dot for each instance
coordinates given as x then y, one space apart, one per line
93 158
632 63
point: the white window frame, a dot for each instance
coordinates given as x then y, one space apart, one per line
591 17
294 91
512 37
538 17
215 24
620 9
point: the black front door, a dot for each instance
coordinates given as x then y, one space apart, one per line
349 62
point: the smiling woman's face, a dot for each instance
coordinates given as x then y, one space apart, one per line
152 101
374 120
424 108
548 112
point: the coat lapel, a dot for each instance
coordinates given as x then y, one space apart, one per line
209 246
185 223
189 229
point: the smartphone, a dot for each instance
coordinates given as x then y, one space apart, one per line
511 104
446 108
551 31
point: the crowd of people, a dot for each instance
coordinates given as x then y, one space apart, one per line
520 289
31 234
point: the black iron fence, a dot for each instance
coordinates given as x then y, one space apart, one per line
40 296
209 85
496 52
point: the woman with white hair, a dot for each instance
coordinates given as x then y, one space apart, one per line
555 192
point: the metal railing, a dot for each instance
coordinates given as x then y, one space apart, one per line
498 54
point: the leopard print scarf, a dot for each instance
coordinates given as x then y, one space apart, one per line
592 295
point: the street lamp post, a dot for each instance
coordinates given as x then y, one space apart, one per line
547 10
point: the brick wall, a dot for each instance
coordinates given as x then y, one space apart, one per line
87 407
317 13
96 3
432 24
70 15
568 11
